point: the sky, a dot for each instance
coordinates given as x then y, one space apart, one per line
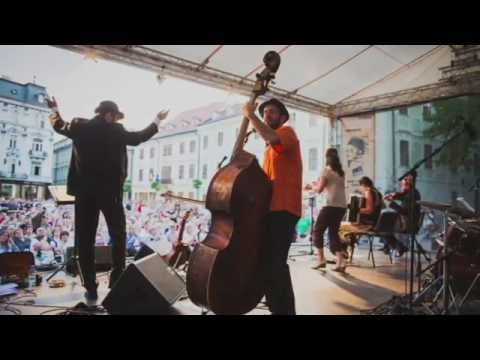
80 84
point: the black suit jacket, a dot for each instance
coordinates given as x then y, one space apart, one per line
99 160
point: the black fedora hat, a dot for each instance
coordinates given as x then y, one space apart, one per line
276 103
109 106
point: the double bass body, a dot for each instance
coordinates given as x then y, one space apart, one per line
225 271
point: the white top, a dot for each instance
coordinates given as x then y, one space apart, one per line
335 189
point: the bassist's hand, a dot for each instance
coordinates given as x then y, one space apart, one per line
248 110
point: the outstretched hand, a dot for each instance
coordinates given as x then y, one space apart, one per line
162 115
52 103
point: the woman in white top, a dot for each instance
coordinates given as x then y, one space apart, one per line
332 181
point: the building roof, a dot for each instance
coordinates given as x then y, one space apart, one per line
28 93
189 120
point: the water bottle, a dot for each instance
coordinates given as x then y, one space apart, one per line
32 279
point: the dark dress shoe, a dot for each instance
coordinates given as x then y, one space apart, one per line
319 266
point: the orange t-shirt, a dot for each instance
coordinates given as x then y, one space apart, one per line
283 167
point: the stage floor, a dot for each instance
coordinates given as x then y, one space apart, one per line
317 292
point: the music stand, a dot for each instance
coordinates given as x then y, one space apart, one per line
60 196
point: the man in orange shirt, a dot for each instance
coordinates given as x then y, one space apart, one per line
283 166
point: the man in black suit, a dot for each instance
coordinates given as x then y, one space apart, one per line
98 169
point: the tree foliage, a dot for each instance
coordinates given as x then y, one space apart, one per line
447 118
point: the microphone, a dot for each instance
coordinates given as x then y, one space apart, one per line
470 130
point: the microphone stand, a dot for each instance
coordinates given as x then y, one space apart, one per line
412 228
476 188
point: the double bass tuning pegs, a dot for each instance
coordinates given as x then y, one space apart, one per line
272 61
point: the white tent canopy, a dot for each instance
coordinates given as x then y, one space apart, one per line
311 77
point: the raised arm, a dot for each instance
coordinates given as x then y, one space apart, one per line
134 138
62 127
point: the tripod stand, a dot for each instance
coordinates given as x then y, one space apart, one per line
72 262
311 203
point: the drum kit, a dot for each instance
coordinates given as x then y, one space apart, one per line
456 271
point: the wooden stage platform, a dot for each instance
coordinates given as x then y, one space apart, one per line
317 292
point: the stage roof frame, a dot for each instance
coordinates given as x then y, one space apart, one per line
330 80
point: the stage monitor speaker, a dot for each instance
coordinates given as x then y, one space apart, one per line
152 247
103 259
144 251
146 287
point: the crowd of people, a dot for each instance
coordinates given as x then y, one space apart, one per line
47 230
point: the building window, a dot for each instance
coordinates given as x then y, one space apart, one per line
140 175
13 143
182 148
220 138
36 170
204 171
403 111
427 111
13 169
181 171
313 159
428 151
42 124
37 146
166 174
151 175
167 150
205 142
404 153
191 171
141 154
152 153
192 146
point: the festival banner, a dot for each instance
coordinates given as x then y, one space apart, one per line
358 150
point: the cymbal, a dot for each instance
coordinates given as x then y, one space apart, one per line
435 206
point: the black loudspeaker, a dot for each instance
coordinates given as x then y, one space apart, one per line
146 287
144 251
103 259
148 248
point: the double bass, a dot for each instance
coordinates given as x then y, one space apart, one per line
225 272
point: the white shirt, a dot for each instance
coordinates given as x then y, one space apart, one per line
335 189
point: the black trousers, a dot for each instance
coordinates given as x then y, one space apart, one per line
87 211
279 290
329 218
